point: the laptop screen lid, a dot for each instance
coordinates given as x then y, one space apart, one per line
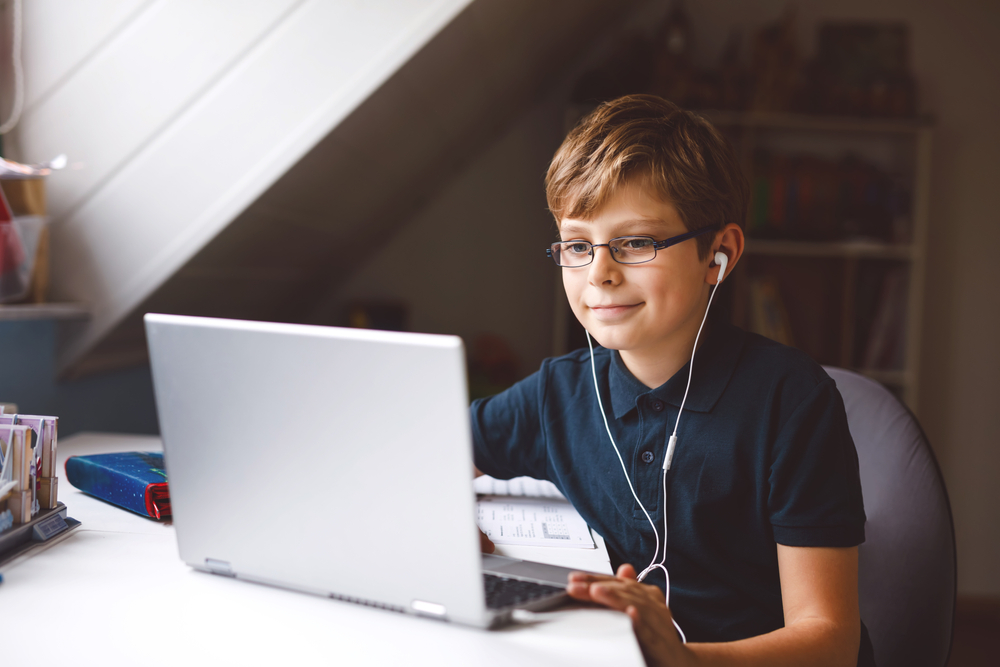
322 459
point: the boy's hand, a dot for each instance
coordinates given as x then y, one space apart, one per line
485 544
644 604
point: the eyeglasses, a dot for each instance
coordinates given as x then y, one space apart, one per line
624 249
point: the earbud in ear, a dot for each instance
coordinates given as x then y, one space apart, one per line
722 260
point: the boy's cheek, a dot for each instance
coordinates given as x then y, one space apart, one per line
570 281
574 294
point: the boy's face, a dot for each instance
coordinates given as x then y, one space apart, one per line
643 310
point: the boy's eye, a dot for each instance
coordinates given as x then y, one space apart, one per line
637 244
577 248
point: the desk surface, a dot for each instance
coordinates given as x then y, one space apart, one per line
116 592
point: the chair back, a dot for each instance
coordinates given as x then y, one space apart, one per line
907 566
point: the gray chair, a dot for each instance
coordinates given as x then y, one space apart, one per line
907 563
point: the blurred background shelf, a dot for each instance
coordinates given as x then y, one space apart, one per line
43 311
810 122
888 378
836 240
847 249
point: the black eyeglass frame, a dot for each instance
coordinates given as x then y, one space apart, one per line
657 245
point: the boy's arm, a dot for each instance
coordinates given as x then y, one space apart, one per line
515 444
819 593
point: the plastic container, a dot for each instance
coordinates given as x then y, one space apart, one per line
20 242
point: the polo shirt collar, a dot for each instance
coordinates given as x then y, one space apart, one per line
714 365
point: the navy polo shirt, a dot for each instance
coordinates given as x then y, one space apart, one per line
764 456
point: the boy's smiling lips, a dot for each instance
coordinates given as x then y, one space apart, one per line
613 311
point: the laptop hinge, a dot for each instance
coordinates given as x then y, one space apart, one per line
219 567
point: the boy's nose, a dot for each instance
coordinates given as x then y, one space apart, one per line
604 269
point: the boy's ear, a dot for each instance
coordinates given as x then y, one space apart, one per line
730 242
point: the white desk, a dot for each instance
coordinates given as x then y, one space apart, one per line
116 593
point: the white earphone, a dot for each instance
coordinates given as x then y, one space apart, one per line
723 261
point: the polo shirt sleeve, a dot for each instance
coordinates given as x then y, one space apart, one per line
815 486
507 436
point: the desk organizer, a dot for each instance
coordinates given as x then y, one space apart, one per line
44 529
30 511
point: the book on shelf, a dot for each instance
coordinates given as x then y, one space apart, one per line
809 198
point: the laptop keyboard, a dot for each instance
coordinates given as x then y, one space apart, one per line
503 592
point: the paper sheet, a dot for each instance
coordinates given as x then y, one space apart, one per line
519 486
533 522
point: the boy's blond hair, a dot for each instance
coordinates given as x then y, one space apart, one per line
675 155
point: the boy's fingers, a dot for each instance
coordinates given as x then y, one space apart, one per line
615 595
602 594
485 544
626 571
616 592
582 587
633 613
578 591
589 577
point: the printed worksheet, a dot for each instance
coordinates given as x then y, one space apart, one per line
518 486
533 522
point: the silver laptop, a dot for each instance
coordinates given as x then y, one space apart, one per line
331 461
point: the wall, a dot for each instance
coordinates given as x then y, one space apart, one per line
473 260
120 402
497 202
956 60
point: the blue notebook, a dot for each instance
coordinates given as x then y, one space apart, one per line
136 481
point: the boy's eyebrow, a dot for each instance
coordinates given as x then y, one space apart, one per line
578 227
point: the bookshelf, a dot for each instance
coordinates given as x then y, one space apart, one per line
846 284
43 311
852 293
842 249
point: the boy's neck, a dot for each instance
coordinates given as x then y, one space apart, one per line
655 366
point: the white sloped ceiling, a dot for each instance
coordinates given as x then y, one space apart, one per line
222 153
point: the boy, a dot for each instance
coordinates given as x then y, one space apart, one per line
762 493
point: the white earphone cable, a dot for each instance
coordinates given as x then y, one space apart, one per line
600 404
653 564
656 535
672 444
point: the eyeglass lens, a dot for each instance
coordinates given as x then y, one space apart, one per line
624 250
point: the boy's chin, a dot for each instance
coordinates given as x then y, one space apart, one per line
609 341
620 337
